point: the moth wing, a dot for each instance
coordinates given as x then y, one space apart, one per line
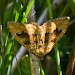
55 29
61 25
18 30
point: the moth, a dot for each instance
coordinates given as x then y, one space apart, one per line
39 40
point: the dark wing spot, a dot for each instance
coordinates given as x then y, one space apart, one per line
46 37
24 37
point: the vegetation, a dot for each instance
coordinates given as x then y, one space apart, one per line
55 62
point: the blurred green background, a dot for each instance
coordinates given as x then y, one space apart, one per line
18 10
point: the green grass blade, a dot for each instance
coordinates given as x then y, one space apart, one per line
49 9
24 19
58 60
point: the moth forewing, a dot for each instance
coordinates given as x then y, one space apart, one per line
62 23
15 27
18 30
